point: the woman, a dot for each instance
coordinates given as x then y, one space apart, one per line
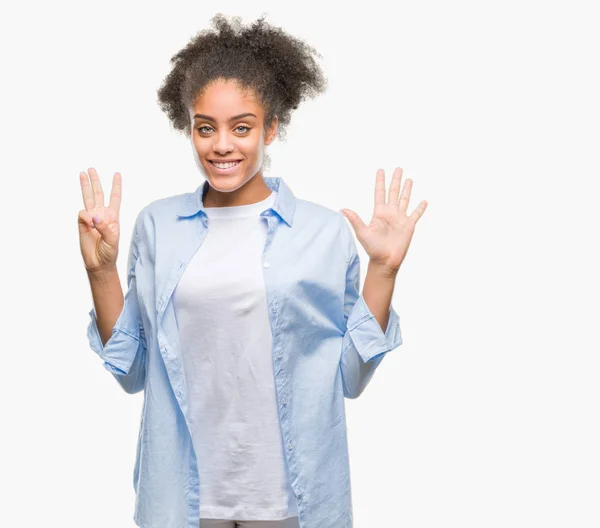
242 321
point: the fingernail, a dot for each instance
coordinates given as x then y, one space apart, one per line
97 219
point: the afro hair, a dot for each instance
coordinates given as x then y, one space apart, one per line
280 69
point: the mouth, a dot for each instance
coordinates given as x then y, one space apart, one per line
225 168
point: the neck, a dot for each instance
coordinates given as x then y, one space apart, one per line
253 191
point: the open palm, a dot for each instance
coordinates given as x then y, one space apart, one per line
388 235
99 241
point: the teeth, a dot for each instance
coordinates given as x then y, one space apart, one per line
225 165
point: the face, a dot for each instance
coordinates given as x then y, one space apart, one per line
228 124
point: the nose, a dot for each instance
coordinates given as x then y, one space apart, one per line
223 145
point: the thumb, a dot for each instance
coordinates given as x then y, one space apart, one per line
109 231
99 224
353 218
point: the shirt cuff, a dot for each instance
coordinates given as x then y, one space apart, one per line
365 332
121 348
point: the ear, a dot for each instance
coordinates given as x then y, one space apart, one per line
271 132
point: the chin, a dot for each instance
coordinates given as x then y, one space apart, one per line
227 182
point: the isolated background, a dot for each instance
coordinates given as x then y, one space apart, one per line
487 415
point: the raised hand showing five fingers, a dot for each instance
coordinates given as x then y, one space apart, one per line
388 235
99 229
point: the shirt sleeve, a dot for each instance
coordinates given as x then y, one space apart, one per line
364 344
124 352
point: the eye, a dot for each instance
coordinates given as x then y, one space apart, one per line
200 129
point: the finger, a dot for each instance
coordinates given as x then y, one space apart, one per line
115 194
405 196
380 188
355 220
86 191
395 186
86 218
100 225
97 187
418 212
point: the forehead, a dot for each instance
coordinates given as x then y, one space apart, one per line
224 98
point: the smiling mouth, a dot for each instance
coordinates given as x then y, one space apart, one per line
228 168
226 163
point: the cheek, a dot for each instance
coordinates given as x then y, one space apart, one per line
250 147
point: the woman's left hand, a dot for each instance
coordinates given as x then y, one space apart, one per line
388 235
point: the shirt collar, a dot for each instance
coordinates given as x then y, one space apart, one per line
284 205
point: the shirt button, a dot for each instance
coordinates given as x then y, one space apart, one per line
289 445
266 264
278 354
273 309
284 400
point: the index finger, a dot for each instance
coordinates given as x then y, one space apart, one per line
380 187
115 194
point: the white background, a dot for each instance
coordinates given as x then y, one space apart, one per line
488 414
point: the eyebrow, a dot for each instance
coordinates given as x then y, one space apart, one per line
208 118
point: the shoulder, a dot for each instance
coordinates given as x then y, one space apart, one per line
312 211
327 222
158 212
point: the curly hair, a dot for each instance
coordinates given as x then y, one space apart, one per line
277 67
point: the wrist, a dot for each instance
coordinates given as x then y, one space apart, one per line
382 270
102 274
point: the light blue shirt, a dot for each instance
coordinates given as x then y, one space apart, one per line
326 346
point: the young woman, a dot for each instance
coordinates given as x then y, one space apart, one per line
242 322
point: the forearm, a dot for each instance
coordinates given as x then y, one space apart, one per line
108 300
377 292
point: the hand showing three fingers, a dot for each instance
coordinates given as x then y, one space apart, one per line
99 241
388 235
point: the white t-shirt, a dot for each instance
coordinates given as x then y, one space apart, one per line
221 310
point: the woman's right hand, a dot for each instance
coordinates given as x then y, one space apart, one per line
99 242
